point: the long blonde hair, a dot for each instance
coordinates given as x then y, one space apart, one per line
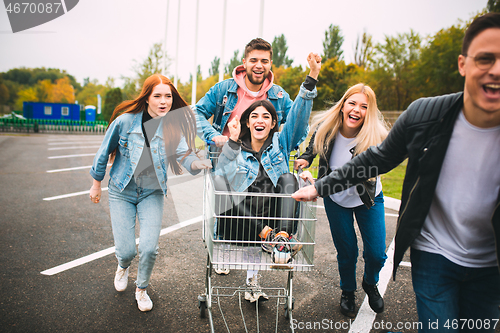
373 131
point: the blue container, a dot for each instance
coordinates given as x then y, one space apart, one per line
51 111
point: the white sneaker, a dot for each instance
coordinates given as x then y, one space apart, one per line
121 278
222 271
249 296
144 303
255 292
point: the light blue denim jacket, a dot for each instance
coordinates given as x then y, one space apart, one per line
220 101
242 168
125 135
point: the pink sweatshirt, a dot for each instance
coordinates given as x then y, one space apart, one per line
245 98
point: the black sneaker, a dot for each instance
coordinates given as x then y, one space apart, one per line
375 301
348 304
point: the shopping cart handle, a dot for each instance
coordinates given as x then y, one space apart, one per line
302 182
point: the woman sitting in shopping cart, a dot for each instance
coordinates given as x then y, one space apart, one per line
255 159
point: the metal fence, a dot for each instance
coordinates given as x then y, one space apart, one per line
52 126
391 116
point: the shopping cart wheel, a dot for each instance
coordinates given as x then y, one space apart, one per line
202 305
287 311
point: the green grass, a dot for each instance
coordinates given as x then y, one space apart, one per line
199 143
392 182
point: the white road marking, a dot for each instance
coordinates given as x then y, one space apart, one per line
69 195
74 147
405 264
70 156
392 203
71 169
366 316
110 250
386 214
71 139
318 206
71 142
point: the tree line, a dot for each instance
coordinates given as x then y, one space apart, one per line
400 69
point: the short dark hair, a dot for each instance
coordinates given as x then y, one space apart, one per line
258 44
481 23
246 114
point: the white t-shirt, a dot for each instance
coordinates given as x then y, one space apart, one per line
253 93
458 225
341 154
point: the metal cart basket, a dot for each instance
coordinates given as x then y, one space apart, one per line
232 242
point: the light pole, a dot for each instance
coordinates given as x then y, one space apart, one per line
261 23
176 78
195 72
221 61
164 69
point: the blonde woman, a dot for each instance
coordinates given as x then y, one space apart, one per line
347 129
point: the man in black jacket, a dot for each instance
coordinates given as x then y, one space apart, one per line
450 206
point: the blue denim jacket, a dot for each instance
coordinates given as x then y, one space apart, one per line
242 168
220 101
125 135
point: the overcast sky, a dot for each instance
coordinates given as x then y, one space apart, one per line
102 38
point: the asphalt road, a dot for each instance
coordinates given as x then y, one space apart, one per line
40 231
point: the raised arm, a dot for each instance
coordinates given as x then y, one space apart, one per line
295 129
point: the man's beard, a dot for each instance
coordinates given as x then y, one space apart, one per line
253 81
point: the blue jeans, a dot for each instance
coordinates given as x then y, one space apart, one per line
453 298
124 207
371 223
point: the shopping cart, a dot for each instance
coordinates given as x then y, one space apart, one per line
228 249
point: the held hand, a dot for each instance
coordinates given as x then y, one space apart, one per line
307 193
314 61
95 194
201 164
234 127
219 140
300 163
307 176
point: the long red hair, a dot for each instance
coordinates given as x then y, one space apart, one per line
179 120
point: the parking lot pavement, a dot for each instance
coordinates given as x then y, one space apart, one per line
38 235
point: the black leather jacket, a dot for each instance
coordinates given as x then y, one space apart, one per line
365 189
422 133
